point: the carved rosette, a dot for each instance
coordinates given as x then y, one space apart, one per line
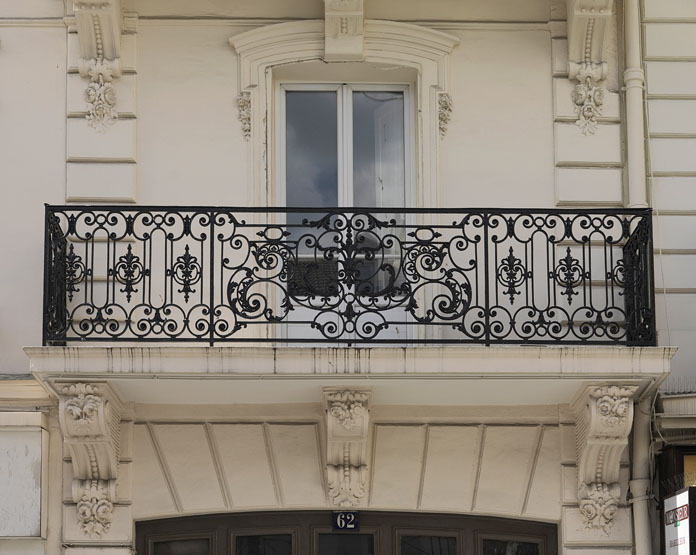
588 99
100 95
89 416
347 427
604 420
244 110
445 106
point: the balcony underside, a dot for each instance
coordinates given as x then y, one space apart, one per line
418 375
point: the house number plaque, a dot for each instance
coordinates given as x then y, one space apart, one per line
345 521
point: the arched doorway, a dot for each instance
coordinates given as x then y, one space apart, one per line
312 533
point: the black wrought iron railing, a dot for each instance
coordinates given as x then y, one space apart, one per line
115 273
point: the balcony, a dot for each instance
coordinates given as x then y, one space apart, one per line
347 276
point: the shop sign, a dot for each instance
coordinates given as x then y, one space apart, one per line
677 522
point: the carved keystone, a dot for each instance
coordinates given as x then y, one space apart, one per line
343 30
604 416
347 427
90 420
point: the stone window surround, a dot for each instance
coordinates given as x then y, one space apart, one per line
412 47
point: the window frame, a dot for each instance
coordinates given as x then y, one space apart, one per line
344 130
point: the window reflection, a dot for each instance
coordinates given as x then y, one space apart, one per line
271 544
346 544
428 545
508 547
182 547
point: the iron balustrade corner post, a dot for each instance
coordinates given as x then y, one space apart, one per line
651 276
44 334
55 311
638 260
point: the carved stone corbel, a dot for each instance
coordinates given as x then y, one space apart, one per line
604 416
343 30
99 25
90 416
347 426
588 23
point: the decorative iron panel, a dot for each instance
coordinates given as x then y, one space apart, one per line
115 273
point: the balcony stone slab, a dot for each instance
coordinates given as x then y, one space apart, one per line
414 375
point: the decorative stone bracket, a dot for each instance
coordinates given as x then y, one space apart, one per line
588 23
343 30
89 416
604 416
347 426
99 25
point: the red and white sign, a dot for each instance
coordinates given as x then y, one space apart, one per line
677 540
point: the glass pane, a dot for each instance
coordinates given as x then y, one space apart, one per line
346 544
508 547
274 544
428 545
311 172
378 149
183 547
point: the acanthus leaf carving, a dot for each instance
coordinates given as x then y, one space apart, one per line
445 105
84 402
347 426
603 424
89 416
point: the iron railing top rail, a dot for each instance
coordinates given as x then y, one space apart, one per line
350 209
353 275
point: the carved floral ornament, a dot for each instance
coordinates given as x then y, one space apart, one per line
605 417
99 24
89 416
347 425
588 24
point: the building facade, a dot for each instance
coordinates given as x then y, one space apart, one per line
277 266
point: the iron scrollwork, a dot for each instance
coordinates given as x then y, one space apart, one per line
348 276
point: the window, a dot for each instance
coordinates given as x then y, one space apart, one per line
343 146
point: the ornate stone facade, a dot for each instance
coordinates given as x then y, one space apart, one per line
604 420
89 417
347 426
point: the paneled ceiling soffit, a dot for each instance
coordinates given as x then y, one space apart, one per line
99 26
604 417
588 26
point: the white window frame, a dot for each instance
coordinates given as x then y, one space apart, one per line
344 130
